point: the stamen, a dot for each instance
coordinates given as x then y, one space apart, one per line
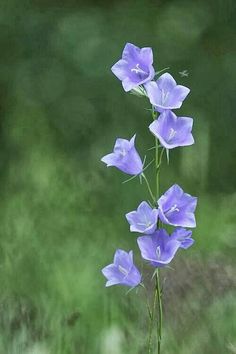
158 252
164 96
138 70
172 209
123 270
146 223
171 134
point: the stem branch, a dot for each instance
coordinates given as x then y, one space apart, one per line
149 188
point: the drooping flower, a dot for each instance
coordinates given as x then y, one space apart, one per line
125 157
172 131
159 248
165 93
122 271
177 208
135 67
183 236
144 220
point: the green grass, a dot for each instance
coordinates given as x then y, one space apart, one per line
62 212
59 227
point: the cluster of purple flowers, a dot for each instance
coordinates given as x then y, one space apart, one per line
174 207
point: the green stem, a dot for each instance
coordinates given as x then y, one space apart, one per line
157 276
146 294
151 322
160 314
149 188
157 170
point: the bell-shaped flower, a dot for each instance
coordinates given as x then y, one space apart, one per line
183 236
165 93
122 271
177 208
135 67
125 157
172 131
143 220
159 248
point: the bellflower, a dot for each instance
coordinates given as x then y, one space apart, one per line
183 236
165 93
159 248
122 271
172 131
125 157
135 67
177 208
144 220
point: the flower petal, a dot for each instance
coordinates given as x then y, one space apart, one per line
119 69
166 82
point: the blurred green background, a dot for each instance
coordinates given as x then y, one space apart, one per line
62 212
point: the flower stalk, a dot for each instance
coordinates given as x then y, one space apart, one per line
157 288
160 314
157 276
174 207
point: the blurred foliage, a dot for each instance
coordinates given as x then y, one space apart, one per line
62 212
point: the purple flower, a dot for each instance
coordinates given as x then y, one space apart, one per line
177 208
165 93
183 236
143 220
125 157
122 270
159 248
135 67
172 131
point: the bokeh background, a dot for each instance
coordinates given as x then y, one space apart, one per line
61 210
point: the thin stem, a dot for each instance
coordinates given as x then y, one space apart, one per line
160 314
158 170
151 322
149 188
154 116
146 294
157 287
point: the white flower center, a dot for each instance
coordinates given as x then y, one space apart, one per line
172 133
164 96
144 221
172 209
158 252
123 270
138 70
